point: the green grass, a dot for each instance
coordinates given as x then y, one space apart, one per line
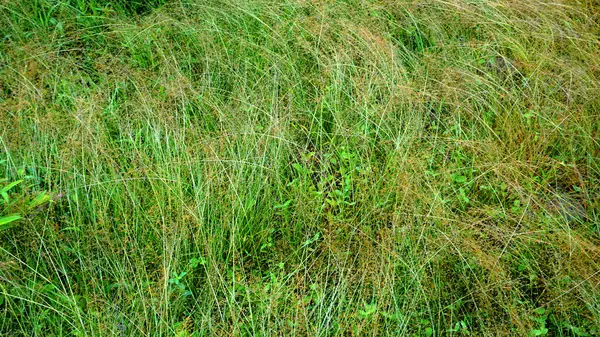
299 168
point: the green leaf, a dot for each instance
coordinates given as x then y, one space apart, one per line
369 310
462 196
458 178
284 205
456 328
516 207
395 316
40 199
540 310
331 202
539 332
299 168
11 185
6 220
310 241
431 173
195 262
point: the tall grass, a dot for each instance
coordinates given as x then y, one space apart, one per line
300 168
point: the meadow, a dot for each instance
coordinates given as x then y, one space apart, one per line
300 168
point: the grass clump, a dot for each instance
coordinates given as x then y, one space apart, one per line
405 168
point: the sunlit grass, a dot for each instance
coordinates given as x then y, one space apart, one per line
303 168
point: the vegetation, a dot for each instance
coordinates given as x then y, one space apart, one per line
299 168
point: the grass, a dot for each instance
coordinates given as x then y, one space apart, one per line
299 168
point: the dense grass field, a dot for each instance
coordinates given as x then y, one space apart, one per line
300 168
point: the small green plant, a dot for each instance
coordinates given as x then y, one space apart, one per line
195 262
177 282
368 311
424 328
541 315
464 186
460 327
308 242
16 199
395 316
177 279
516 206
8 220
